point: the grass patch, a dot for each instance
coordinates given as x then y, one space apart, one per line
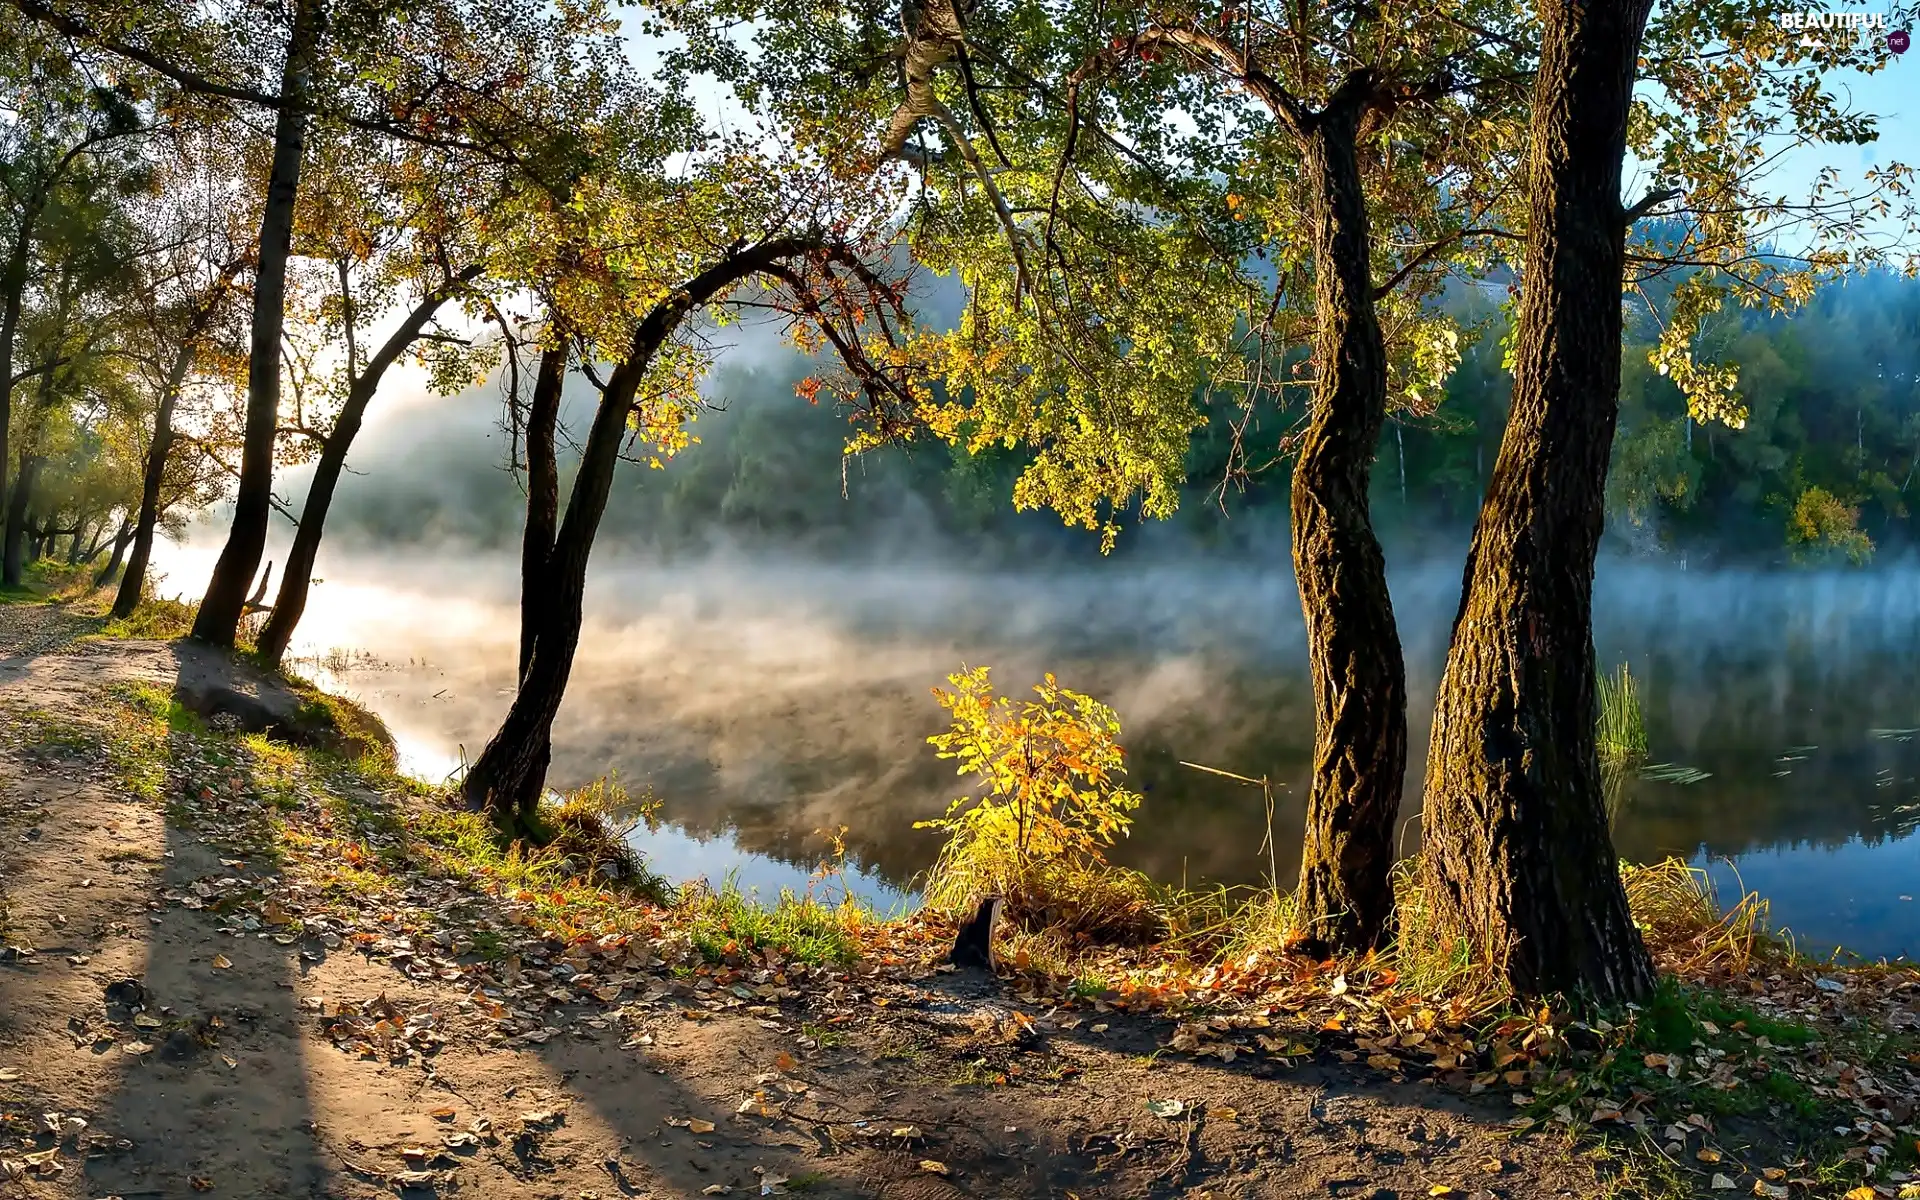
1620 728
154 618
727 925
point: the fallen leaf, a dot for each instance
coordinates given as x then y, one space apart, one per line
908 1132
1863 1193
1223 1113
1707 1154
1775 1174
1493 1166
200 1183
222 962
1439 1189
1721 1183
1166 1108
443 1113
9 1075
696 1125
1778 1191
934 1167
137 1048
784 1061
715 1189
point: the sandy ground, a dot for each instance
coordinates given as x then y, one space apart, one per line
228 1081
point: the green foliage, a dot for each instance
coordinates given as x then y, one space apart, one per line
727 925
1620 731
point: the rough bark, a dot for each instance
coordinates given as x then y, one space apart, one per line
297 580
218 620
1345 898
1517 853
509 777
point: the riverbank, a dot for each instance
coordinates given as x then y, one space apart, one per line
348 989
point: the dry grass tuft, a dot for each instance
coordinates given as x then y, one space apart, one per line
1685 928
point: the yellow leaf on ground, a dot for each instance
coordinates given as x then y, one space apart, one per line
1863 1192
933 1167
223 962
699 1126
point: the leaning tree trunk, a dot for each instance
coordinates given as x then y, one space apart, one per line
121 538
218 620
1345 899
297 580
509 777
134 582
1517 852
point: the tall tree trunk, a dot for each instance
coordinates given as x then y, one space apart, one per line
16 549
120 539
543 519
510 775
134 582
543 497
218 620
297 579
1517 853
1345 899
13 279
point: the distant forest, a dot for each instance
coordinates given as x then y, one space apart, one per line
1823 471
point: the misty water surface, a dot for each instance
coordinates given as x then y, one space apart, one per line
766 701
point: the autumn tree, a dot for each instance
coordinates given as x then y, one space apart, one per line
1517 854
443 74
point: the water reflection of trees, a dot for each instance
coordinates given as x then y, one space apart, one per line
770 715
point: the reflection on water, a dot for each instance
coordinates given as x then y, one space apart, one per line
765 702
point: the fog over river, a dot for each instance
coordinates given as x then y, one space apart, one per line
764 700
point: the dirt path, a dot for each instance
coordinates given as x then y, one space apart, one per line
281 1051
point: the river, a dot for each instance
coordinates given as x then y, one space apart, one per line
766 701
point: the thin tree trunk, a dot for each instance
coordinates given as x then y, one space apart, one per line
543 497
134 582
297 580
73 544
120 540
1518 858
509 777
1345 897
543 519
14 279
218 620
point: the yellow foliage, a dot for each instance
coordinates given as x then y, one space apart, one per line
1051 802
